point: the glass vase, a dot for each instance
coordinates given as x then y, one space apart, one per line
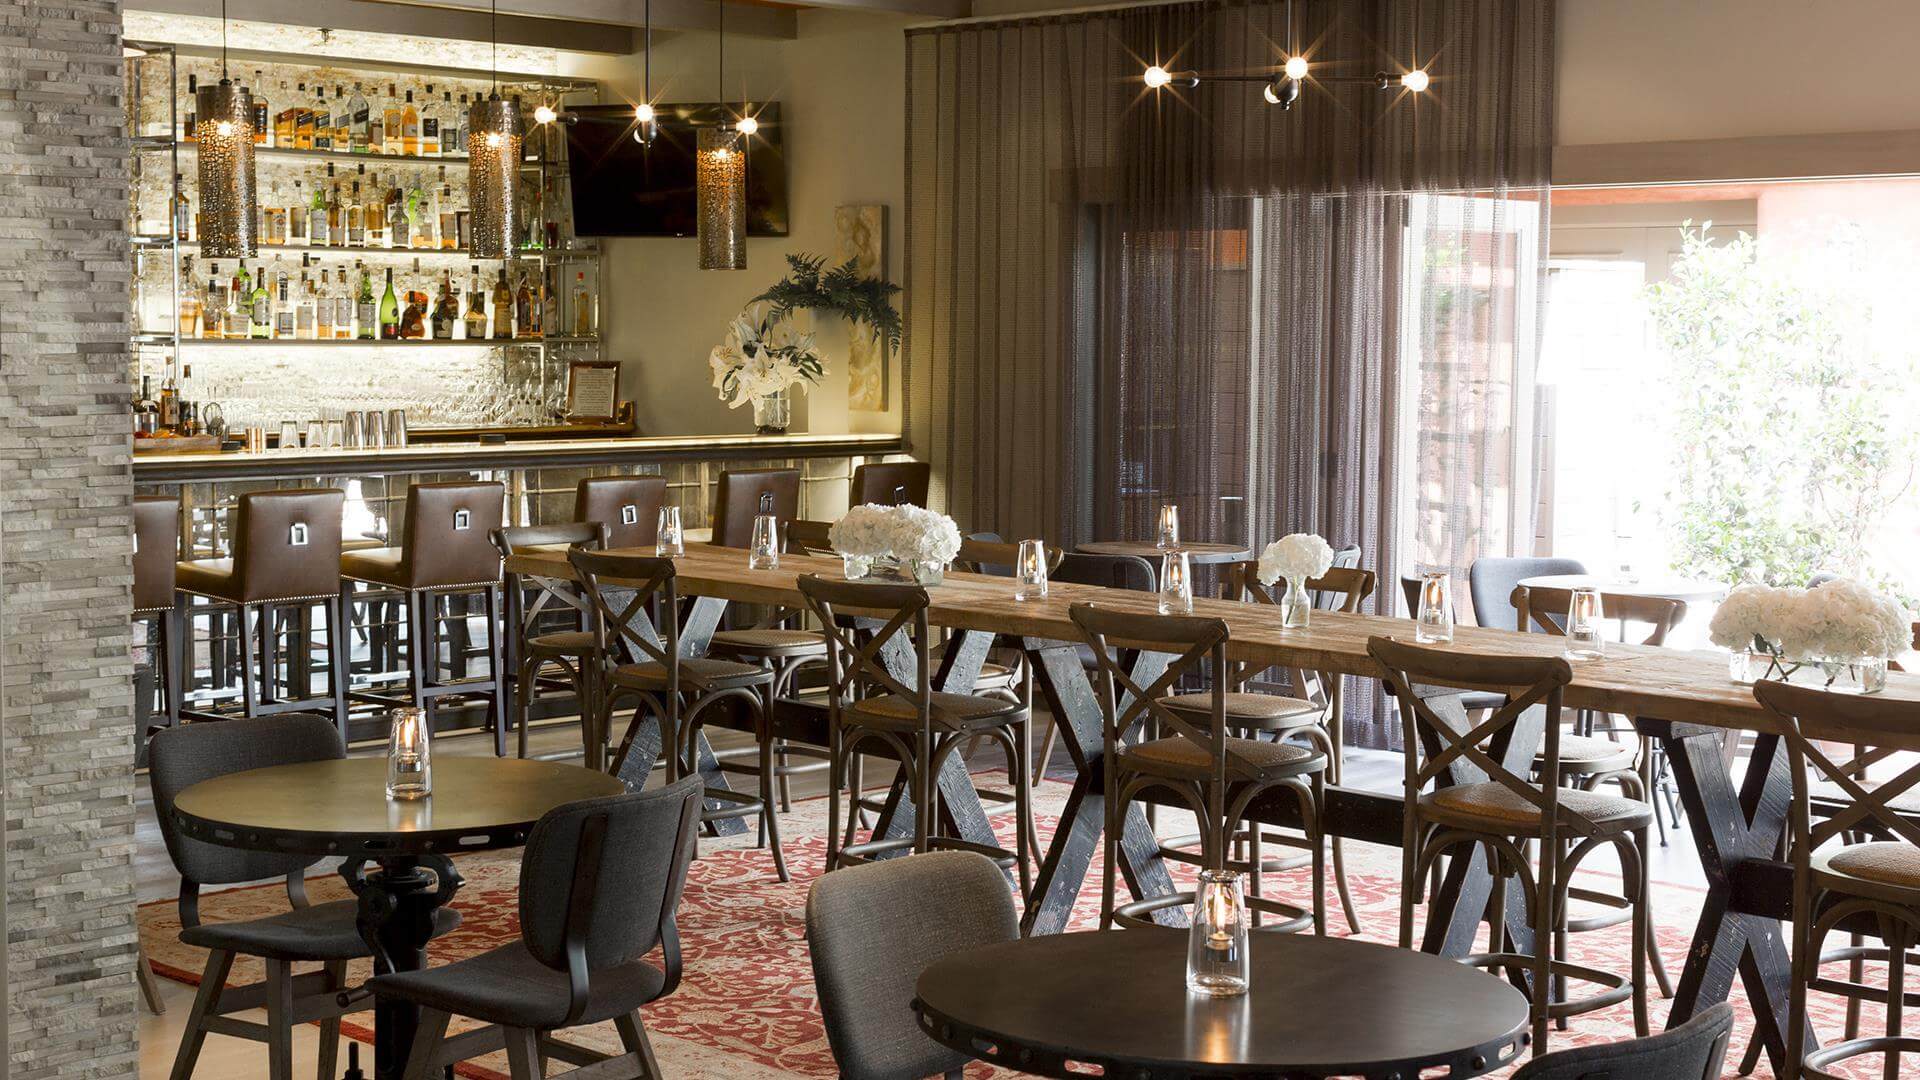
886 568
1296 607
772 415
409 755
1839 675
1217 962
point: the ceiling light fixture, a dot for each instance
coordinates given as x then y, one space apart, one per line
1282 87
720 182
646 124
494 137
229 200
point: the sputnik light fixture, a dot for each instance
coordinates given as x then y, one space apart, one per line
1282 87
494 139
229 202
646 125
720 182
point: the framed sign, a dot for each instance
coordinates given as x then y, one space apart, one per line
593 389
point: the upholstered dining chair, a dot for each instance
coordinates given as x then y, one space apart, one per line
866 958
891 483
1693 1051
642 663
327 934
600 883
1491 581
1213 774
534 650
1509 815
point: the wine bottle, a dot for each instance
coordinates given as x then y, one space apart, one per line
390 311
366 309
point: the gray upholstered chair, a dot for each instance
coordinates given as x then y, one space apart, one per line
867 958
599 885
1490 583
325 933
1692 1051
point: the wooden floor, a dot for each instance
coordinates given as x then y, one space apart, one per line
232 1059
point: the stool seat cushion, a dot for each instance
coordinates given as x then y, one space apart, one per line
1590 754
320 932
380 565
508 986
1185 759
1496 809
773 642
951 712
208 577
709 674
1268 712
562 642
1884 862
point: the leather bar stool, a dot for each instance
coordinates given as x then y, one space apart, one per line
446 554
629 506
286 557
156 548
892 483
571 650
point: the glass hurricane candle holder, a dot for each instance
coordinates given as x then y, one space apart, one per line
1176 584
1586 639
763 552
1435 617
668 541
1167 532
1217 962
1030 571
409 755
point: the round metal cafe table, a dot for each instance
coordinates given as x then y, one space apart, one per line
340 808
1691 590
1318 1007
1197 554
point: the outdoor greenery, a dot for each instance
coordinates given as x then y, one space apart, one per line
839 290
1789 450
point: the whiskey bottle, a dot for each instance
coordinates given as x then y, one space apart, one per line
303 118
261 124
393 114
342 121
336 213
429 126
476 324
410 129
525 311
359 136
190 301
374 216
583 322
190 119
317 234
146 411
449 220
502 309
213 305
297 215
182 210
169 403
397 236
285 121
322 120
390 312
445 309
343 307
413 318
285 326
356 218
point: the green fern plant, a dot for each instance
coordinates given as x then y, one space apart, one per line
840 290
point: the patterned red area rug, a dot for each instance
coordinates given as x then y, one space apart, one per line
747 1009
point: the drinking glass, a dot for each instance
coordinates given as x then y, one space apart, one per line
336 435
1586 639
316 435
763 552
409 755
289 435
668 542
1217 962
1167 534
1436 611
1176 584
1030 571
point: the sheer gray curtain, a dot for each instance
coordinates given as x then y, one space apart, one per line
1118 298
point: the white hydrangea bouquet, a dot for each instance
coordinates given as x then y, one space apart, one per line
902 543
762 357
1295 558
1841 630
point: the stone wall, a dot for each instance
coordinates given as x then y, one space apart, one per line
65 527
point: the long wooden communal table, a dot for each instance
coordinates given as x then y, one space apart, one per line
1684 699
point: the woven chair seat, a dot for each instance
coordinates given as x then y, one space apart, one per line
1267 712
1499 810
709 674
1583 753
1184 759
1885 862
953 712
773 642
562 642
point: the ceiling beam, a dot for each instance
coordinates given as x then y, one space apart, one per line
926 9
590 26
752 20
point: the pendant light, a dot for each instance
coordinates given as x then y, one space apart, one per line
646 125
720 182
494 138
229 201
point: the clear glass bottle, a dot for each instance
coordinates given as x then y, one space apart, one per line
303 118
317 233
343 307
356 216
584 321
449 217
420 220
392 115
239 308
397 232
390 311
375 214
298 215
191 301
306 319
286 120
525 318
429 126
476 322
273 218
182 210
286 307
213 307
502 308
359 137
410 128
322 119
336 213
260 307
261 122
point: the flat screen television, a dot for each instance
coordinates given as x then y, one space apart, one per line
621 188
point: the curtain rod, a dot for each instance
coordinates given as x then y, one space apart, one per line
1051 13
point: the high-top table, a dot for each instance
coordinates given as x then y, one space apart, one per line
1685 699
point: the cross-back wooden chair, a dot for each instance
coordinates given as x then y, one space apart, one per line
1841 878
880 694
643 663
533 650
1215 774
1481 795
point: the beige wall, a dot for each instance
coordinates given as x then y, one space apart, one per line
841 87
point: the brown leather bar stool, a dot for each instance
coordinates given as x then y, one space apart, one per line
446 553
892 483
286 557
572 650
629 506
156 549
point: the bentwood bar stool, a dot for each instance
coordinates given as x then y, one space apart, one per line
537 650
286 557
1506 814
1216 775
629 506
447 553
870 705
1855 848
643 663
156 550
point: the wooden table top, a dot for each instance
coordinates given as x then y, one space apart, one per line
1634 680
1197 553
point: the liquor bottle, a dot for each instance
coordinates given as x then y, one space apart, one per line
213 305
359 137
273 217
449 219
460 134
551 294
336 213
306 318
342 121
190 301
410 129
190 120
285 306
394 113
317 234
366 310
169 403
502 309
302 119
446 309
182 210
146 411
429 126
413 317
390 312
449 127
356 218
476 324
239 309
397 236
420 219
297 215
322 119
260 307
284 120
583 321
525 318
343 307
189 413
374 216
261 123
